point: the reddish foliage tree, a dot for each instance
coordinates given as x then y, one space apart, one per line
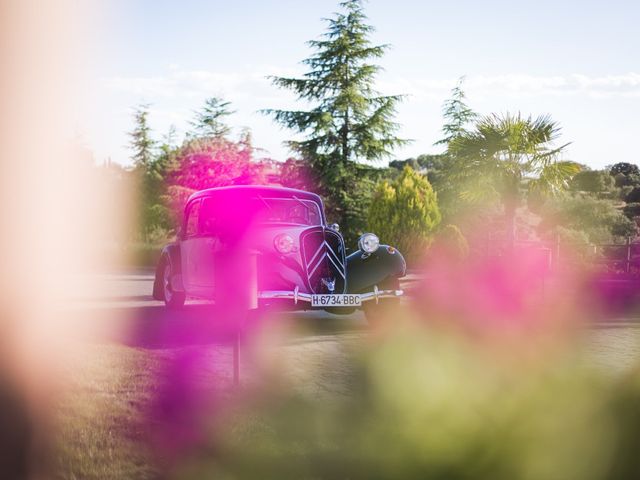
209 162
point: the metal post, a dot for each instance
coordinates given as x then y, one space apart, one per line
236 359
557 259
249 303
628 262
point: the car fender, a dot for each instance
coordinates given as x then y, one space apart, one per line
170 253
365 271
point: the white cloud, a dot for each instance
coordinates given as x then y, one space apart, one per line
521 85
178 83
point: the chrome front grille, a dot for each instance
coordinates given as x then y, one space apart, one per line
324 260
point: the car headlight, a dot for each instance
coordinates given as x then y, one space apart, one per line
369 243
283 243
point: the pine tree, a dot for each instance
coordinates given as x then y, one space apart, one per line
141 142
456 114
150 165
350 121
209 122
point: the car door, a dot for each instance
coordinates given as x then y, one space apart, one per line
209 245
199 249
189 248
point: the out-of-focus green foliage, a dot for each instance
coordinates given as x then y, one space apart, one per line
599 220
450 240
575 243
627 178
633 196
631 180
422 405
624 191
405 213
502 152
624 168
632 210
593 181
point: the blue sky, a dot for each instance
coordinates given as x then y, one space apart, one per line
575 60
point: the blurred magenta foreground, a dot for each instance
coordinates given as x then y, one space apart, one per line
484 371
482 374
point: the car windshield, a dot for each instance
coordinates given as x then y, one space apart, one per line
217 213
286 210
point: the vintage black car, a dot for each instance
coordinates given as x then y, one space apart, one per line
299 260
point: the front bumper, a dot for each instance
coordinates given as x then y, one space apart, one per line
298 296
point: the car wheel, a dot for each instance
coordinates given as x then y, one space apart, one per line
172 298
380 313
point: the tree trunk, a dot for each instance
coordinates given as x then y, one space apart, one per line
510 217
511 203
345 139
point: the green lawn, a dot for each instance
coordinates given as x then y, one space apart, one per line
102 432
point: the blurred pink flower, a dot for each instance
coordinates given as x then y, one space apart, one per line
512 292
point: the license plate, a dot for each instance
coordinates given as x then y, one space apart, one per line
336 300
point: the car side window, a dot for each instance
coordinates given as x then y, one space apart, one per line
209 217
192 219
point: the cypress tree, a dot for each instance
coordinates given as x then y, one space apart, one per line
405 213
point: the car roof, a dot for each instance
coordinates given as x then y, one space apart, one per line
262 190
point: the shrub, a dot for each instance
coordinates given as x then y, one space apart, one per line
632 210
451 242
594 181
633 196
624 227
622 180
625 191
405 213
600 220
624 168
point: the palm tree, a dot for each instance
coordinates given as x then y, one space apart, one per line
502 152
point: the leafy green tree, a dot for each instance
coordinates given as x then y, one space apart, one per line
210 121
457 115
350 121
405 213
633 196
149 169
632 210
209 162
599 220
505 151
437 168
593 181
631 180
451 242
624 168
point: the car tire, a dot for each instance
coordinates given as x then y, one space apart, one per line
379 313
172 298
